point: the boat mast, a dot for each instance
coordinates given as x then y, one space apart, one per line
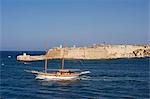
46 65
62 61
46 62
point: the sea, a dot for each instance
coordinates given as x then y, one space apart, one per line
108 79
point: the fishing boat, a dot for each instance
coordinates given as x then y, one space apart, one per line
58 74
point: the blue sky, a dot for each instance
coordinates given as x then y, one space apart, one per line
38 24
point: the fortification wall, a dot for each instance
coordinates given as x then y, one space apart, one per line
93 52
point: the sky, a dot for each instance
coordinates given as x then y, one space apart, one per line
41 24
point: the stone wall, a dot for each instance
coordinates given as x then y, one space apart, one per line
100 52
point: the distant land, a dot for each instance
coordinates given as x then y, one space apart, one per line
96 51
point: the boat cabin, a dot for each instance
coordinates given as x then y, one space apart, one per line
64 72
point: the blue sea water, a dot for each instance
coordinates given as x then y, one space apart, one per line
109 79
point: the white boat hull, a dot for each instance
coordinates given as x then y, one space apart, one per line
55 76
44 77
